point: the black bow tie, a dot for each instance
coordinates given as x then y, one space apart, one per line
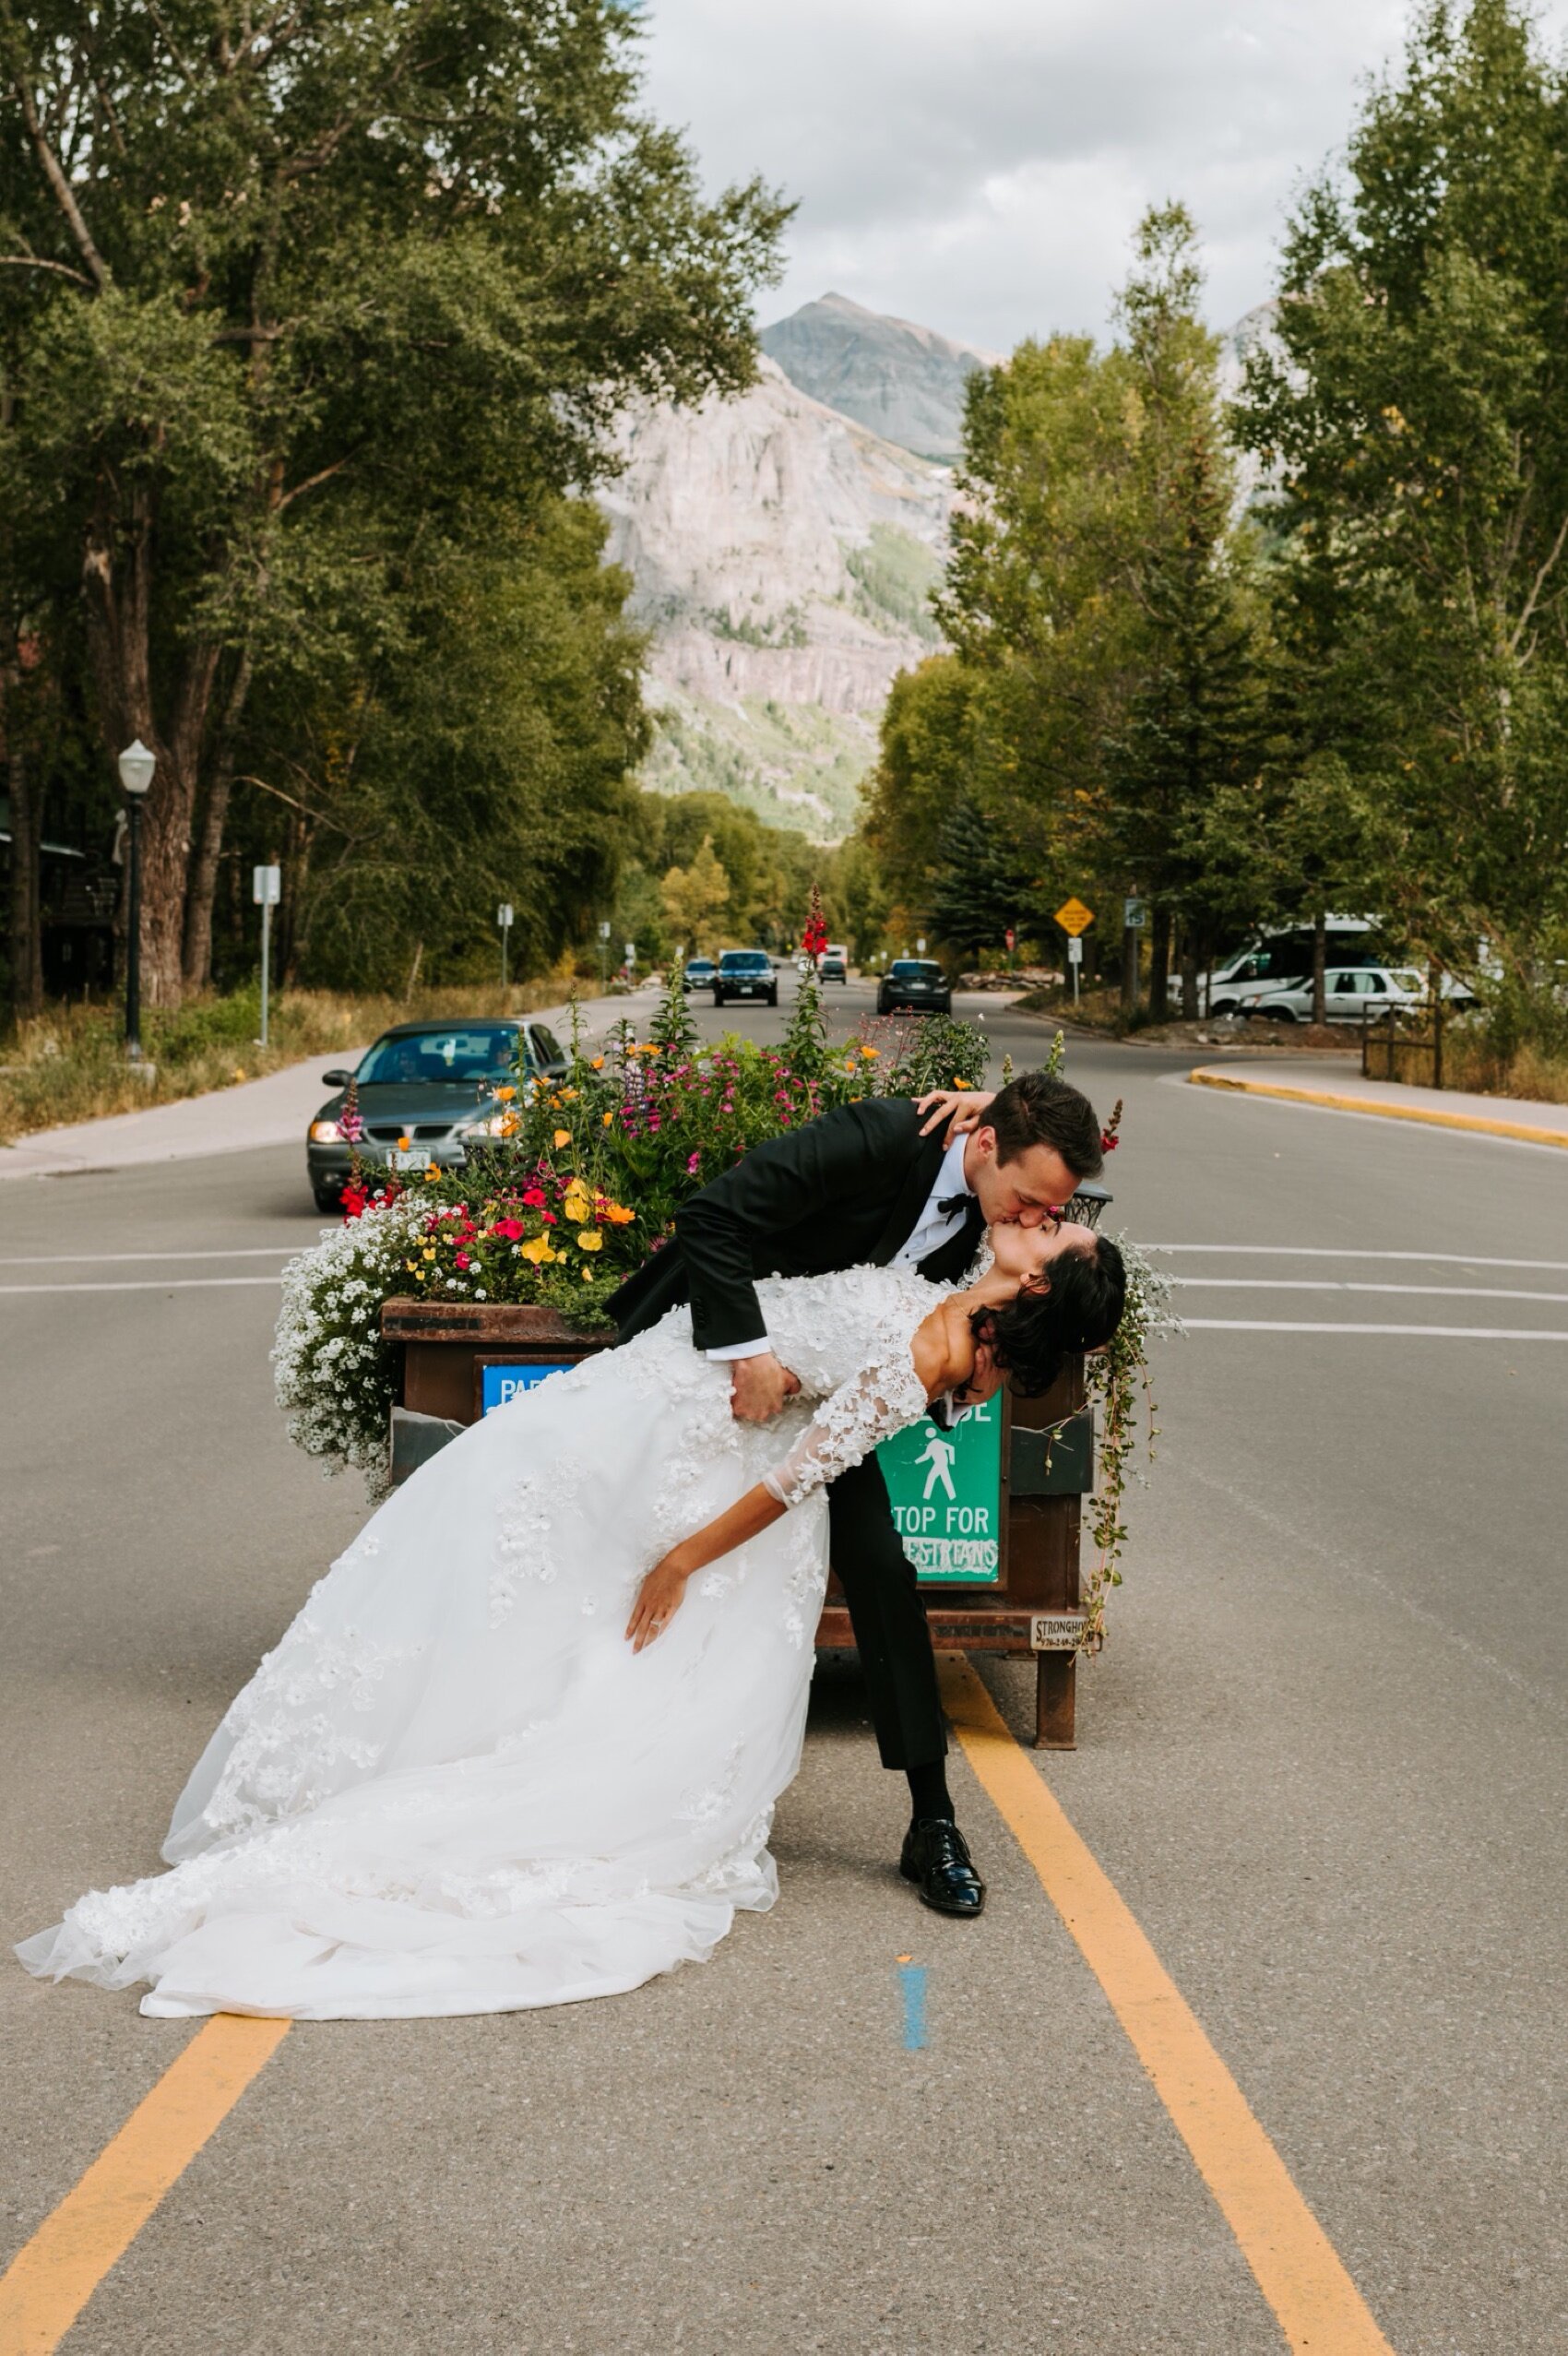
951 1206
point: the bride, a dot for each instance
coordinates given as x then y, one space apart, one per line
497 1761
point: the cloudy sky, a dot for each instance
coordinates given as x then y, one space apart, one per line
979 165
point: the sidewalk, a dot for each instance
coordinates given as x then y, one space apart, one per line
270 1111
1310 1080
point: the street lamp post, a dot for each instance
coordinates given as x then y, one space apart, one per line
136 765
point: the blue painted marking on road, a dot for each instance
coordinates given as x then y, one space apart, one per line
911 1983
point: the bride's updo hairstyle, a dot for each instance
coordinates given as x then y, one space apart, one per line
1073 1305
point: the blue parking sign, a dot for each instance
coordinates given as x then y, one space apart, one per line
498 1385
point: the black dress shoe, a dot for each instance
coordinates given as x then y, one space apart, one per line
936 1858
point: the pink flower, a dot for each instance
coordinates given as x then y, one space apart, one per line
694 1164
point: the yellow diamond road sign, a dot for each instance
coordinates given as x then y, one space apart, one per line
1074 917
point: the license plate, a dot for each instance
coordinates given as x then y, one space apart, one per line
413 1159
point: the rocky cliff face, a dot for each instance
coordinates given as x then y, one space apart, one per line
901 382
781 556
783 546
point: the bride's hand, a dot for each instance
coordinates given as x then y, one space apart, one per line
658 1600
963 1108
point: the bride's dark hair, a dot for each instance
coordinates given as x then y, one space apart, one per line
1073 1305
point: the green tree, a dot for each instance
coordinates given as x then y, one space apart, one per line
1415 419
288 296
694 900
983 890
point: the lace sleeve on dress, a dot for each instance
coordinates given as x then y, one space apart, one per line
881 1400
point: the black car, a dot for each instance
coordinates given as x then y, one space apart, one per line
699 974
432 1084
914 986
745 973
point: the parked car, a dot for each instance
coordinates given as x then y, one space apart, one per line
431 1083
745 973
699 974
1350 993
916 986
833 965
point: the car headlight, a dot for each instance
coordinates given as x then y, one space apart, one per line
326 1133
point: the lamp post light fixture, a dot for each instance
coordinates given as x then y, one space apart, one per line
136 765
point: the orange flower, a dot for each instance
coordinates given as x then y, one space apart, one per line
597 1064
607 1119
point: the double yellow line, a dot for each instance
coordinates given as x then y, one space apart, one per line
1319 2311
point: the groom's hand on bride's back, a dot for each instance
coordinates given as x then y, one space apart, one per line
962 1108
758 1388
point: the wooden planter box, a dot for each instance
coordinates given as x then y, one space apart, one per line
452 1351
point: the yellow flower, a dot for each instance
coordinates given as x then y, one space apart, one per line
430 1251
239 1071
504 1095
510 1126
597 1064
590 1240
608 1118
567 1094
563 1137
537 1249
405 1143
433 1171
412 1266
871 1053
586 1275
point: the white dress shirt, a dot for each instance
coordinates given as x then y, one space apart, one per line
932 1229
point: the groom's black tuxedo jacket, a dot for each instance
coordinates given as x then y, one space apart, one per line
841 1191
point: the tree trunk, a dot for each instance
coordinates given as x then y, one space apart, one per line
1189 1008
203 884
117 582
27 926
1320 941
1159 964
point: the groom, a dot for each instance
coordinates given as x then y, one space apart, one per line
867 1183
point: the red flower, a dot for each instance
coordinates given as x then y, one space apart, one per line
534 1197
1108 1144
512 1229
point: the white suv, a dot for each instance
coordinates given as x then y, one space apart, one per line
1350 992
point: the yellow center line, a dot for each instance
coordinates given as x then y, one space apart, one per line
51 2279
1297 2268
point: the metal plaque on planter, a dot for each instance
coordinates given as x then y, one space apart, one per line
946 1488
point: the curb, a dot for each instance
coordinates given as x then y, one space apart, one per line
1476 1123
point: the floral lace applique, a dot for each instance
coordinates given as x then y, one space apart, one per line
284 1749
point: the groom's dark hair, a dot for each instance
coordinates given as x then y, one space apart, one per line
1038 1110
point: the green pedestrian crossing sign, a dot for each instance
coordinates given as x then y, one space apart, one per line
945 1489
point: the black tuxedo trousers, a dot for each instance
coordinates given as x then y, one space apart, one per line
835 1194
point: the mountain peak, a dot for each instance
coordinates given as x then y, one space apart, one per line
903 381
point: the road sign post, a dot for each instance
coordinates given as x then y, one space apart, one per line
267 891
1135 914
1074 920
504 916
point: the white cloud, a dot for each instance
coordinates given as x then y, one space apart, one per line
980 167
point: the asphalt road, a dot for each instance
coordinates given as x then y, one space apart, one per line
1320 1759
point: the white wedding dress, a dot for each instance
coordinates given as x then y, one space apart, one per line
454 1787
